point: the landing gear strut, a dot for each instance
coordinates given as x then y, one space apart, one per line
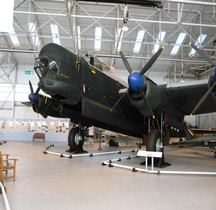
76 140
156 142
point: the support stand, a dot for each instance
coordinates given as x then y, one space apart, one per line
3 192
100 148
151 155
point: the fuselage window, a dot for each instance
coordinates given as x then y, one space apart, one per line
53 66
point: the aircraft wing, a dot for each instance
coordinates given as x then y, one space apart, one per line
203 131
199 139
185 98
181 101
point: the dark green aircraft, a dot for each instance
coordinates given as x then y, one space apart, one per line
82 90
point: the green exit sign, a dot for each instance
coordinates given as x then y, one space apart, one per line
29 72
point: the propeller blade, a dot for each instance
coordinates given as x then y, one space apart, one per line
201 101
204 55
151 61
27 103
33 97
31 87
147 103
37 91
126 63
47 107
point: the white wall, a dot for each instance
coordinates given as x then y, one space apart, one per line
27 136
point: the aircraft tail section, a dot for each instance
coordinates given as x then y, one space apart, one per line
189 134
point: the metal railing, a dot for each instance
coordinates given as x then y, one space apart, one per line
7 206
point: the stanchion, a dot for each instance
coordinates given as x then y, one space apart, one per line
83 155
100 148
7 206
153 155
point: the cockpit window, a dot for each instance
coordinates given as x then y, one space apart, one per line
46 66
53 66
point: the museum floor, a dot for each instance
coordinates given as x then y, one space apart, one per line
49 182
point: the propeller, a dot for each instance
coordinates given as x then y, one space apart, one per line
206 57
136 79
33 97
126 63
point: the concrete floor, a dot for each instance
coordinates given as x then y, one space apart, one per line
48 182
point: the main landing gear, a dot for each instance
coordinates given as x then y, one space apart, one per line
76 140
155 141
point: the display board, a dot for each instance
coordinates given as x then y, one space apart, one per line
36 126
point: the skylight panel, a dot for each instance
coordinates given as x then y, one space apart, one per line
178 43
139 40
199 41
34 34
98 35
55 34
14 38
6 16
78 38
160 38
118 42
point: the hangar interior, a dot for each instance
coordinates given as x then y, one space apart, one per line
102 29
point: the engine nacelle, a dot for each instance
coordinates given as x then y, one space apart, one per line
45 107
154 95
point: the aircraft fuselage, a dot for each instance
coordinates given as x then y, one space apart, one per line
85 93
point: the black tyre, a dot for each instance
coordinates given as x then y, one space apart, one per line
154 141
75 139
154 144
215 154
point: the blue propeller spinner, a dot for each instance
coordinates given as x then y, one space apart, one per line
135 81
33 97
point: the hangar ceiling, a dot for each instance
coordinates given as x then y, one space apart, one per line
73 24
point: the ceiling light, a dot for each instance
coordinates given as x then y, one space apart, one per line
125 20
182 78
124 27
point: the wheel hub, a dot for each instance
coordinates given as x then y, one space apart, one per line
158 145
78 138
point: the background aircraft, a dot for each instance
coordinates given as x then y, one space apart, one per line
80 89
196 137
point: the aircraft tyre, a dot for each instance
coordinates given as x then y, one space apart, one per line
214 154
154 143
75 139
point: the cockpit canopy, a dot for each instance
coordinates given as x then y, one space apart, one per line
98 63
46 67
